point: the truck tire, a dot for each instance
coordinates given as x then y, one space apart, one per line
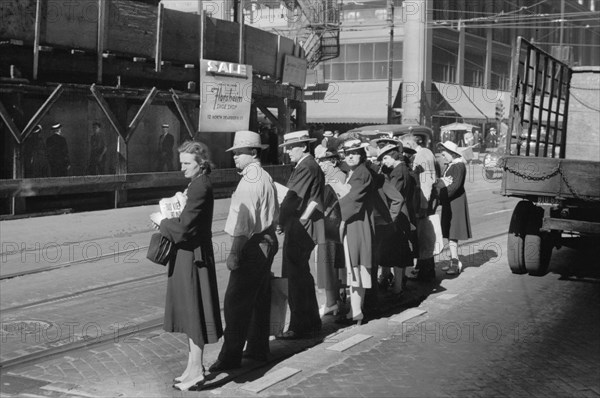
517 231
538 251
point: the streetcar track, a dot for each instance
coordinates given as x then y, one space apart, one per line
144 327
84 260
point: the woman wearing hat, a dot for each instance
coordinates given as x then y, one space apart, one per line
357 228
455 210
330 256
399 189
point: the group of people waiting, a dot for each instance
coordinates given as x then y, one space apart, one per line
356 208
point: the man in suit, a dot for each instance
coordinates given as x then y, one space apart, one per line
58 152
165 149
303 230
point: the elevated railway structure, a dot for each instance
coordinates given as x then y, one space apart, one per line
131 66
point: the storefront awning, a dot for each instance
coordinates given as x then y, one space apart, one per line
473 102
352 102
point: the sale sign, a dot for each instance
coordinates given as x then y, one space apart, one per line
226 96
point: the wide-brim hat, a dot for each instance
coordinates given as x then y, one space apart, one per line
165 126
354 145
322 153
450 147
56 126
388 148
296 137
246 139
328 134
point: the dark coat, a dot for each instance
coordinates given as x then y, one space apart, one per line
456 224
58 155
306 184
357 213
192 302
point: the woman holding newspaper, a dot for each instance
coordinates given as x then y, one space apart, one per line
192 303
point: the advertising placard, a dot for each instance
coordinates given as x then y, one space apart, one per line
294 71
226 94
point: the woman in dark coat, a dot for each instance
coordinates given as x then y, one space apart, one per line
192 302
357 231
455 210
399 190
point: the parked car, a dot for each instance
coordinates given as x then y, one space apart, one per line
424 133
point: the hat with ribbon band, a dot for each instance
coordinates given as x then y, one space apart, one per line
246 139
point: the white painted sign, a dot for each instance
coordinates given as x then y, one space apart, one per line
226 95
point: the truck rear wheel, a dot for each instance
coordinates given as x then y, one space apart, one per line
517 231
538 251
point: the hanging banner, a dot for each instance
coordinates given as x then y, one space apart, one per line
226 96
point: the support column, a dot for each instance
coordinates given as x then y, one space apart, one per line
460 56
416 47
487 74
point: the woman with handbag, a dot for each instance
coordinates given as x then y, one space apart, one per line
455 209
192 302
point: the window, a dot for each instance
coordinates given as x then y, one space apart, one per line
363 61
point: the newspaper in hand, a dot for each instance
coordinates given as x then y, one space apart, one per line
172 207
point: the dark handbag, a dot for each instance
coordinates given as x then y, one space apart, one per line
160 249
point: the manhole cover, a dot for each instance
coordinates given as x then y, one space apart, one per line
26 326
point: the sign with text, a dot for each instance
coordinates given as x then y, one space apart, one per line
294 71
226 96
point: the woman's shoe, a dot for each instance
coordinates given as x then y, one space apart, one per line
384 281
191 385
184 375
455 267
325 310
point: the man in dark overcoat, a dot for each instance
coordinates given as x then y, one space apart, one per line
303 230
166 141
58 152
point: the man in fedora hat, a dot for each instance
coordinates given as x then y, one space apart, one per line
58 152
306 187
166 141
251 224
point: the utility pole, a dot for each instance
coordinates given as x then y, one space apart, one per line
390 15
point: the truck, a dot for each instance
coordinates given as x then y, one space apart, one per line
552 157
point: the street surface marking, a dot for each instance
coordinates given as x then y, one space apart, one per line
498 212
447 296
268 380
349 342
408 314
67 388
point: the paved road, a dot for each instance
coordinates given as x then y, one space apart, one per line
486 332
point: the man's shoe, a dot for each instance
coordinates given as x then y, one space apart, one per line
291 335
256 357
220 366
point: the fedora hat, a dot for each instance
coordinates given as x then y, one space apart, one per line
246 139
450 147
328 134
388 148
296 137
56 126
